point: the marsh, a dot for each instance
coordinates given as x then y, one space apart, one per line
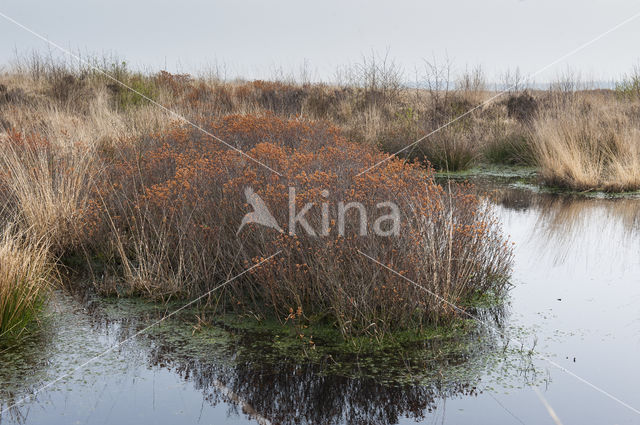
574 300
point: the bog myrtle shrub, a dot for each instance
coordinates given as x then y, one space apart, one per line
172 205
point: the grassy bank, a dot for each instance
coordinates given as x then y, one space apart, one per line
578 138
589 149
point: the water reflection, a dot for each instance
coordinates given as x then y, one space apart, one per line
302 394
23 370
569 225
271 388
576 275
289 393
243 373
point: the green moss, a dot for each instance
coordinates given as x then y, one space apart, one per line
484 300
397 358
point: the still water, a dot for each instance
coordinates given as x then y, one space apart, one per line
575 300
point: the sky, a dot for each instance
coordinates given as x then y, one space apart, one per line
260 39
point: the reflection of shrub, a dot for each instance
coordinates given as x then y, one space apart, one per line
180 200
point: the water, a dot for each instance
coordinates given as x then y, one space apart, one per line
576 300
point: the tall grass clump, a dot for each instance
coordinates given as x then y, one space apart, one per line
25 278
588 149
46 186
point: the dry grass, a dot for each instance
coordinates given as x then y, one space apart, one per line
26 274
597 148
556 129
371 106
47 186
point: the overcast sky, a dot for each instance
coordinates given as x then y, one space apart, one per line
253 38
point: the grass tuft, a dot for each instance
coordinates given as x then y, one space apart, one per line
26 274
593 149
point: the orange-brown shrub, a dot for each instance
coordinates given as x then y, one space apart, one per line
175 202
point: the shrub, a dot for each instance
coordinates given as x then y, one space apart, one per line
125 98
177 202
522 106
452 148
66 88
274 96
7 95
629 87
323 102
